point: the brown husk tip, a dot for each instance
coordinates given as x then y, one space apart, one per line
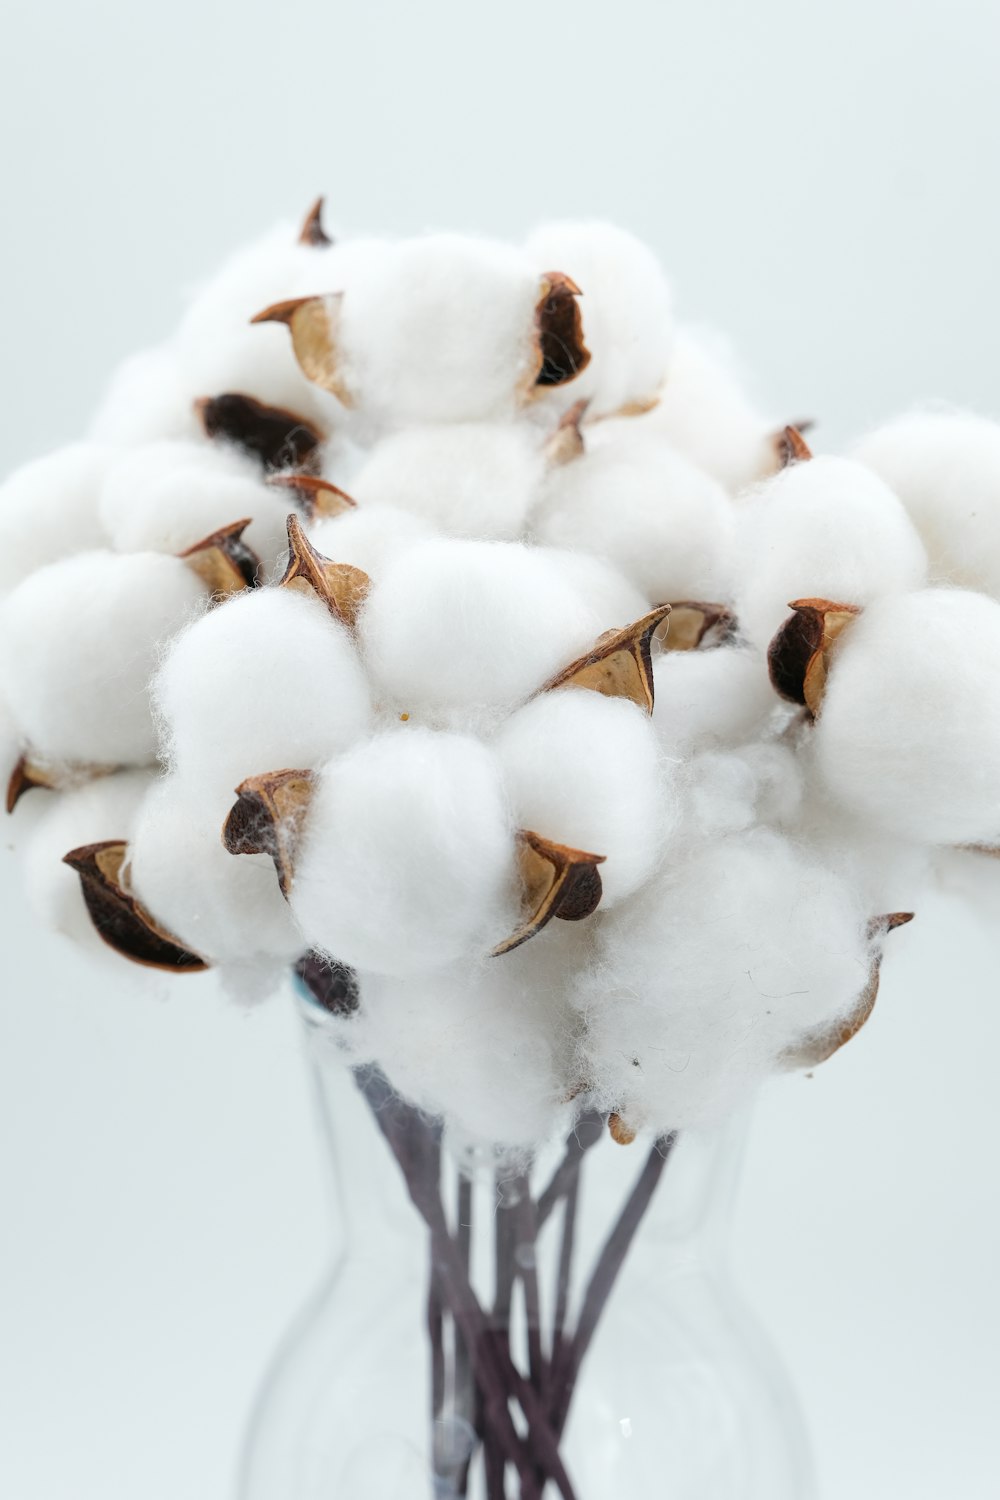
26 775
818 1048
268 817
278 438
223 561
799 656
312 231
118 918
623 1134
342 588
566 443
311 322
563 355
620 665
692 625
790 446
556 881
318 497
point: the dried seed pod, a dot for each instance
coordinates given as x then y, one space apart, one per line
278 438
318 497
620 665
341 587
817 1049
798 659
790 446
223 561
691 625
312 321
29 773
122 922
268 817
619 1132
562 353
312 231
556 882
566 443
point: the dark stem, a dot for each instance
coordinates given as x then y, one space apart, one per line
588 1130
564 1275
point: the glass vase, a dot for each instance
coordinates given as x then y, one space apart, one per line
498 1329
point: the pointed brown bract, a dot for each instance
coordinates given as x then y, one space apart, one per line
817 1049
791 447
561 350
25 775
341 587
566 443
268 817
280 439
556 881
798 659
223 561
620 665
118 918
623 1134
311 321
312 231
691 624
318 497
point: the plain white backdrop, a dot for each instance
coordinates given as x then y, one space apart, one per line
821 181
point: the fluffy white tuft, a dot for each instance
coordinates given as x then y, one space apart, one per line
371 537
710 698
49 510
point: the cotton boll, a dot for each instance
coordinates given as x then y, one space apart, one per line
731 956
267 681
486 1044
584 770
710 698
102 809
909 728
49 509
406 862
371 538
730 791
439 329
78 644
615 601
462 625
472 479
705 413
634 502
945 468
146 401
166 497
824 529
227 908
626 306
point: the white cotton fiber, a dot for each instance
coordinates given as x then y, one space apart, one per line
908 733
406 863
439 329
729 791
166 497
734 953
615 601
268 681
227 908
220 350
102 809
78 645
945 468
585 770
49 509
626 307
461 625
371 537
710 698
486 1044
147 400
823 529
473 479
705 413
642 507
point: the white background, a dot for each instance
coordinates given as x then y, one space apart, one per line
822 182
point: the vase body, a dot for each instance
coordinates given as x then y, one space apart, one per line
498 1329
